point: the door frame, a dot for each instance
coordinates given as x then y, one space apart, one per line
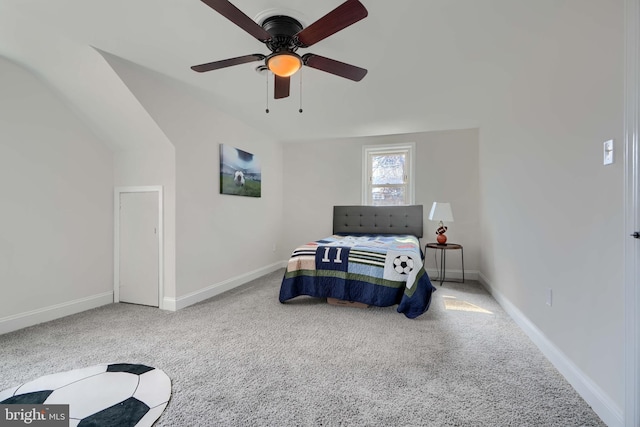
631 205
116 238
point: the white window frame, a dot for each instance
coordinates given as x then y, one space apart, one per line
408 148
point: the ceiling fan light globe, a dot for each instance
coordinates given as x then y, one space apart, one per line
284 64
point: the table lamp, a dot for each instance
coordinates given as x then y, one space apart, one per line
441 212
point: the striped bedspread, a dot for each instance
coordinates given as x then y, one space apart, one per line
376 270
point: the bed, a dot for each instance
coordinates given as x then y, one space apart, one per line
373 257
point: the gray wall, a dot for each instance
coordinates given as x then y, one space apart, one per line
56 208
321 174
551 213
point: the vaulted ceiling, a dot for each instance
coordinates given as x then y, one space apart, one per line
433 64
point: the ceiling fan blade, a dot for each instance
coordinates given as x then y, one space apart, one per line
282 86
332 66
227 62
338 19
235 15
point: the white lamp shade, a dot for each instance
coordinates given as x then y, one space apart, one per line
441 212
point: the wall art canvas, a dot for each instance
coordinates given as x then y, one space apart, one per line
240 172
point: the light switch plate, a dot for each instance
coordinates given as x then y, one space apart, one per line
608 152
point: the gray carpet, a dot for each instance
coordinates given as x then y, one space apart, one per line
244 359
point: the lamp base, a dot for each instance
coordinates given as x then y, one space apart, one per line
442 239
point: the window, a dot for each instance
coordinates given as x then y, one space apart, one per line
388 175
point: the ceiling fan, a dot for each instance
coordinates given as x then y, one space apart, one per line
283 36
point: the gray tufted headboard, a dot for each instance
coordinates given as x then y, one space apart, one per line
378 220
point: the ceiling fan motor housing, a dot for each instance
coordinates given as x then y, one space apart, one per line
282 29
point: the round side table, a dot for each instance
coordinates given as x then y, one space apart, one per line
443 258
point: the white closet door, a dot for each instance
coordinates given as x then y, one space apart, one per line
139 248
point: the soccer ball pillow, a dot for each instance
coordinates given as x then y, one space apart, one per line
119 394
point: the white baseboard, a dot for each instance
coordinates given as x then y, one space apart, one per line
601 403
174 304
46 314
453 274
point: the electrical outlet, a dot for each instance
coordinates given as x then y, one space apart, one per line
549 297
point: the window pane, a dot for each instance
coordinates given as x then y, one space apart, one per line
387 169
387 174
386 196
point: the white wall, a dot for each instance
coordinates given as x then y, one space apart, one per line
551 213
219 238
321 174
56 182
149 168
144 156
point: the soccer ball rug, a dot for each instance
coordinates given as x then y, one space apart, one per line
118 394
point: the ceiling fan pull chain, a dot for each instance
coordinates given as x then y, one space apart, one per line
267 80
300 110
